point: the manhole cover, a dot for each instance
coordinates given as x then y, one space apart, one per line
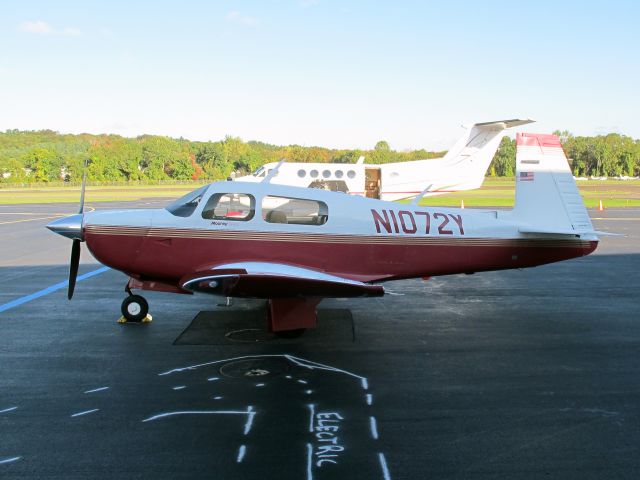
249 335
257 367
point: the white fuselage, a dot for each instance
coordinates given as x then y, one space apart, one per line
390 181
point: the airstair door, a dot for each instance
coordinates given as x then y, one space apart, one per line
372 182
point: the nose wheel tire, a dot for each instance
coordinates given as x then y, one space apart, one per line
134 308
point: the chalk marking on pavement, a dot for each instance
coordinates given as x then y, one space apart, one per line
383 466
200 412
312 414
101 389
373 427
86 412
241 451
301 362
247 426
309 461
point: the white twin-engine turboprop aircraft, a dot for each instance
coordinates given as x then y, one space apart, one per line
462 168
295 246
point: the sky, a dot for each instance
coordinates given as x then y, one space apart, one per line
340 74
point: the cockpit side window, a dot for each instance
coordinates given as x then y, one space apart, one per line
237 207
299 211
186 205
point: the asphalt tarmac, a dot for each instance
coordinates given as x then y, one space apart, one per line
517 374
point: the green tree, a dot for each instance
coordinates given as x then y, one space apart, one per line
381 153
45 165
504 161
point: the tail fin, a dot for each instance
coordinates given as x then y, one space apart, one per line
472 153
547 198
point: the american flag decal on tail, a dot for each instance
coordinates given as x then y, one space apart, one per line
526 176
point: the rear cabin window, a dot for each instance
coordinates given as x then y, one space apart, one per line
296 211
230 206
185 206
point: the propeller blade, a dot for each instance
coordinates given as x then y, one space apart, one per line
73 267
84 184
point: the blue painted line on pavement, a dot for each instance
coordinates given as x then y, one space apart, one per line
46 291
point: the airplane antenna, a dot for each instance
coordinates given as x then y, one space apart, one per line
84 185
422 194
360 160
273 172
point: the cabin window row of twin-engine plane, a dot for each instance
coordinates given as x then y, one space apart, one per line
295 246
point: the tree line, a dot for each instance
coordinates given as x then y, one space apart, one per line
48 156
611 155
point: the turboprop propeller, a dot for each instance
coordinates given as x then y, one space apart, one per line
71 227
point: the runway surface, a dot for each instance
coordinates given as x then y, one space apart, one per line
517 374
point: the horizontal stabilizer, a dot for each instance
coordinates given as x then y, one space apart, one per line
504 124
559 231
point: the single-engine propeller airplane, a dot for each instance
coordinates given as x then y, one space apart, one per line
462 168
295 246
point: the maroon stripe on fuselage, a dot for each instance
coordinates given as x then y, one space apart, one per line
170 254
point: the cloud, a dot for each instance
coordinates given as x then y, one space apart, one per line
40 27
235 16
73 32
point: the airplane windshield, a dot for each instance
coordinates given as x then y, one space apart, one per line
258 172
185 206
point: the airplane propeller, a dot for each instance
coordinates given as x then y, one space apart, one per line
73 267
74 263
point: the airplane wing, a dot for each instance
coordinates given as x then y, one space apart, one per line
274 280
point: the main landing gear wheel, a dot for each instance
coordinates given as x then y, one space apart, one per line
134 308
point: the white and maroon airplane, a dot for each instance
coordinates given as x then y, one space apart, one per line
295 246
462 168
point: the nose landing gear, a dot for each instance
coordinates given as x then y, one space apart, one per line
135 309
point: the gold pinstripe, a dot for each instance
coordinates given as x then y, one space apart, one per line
328 238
